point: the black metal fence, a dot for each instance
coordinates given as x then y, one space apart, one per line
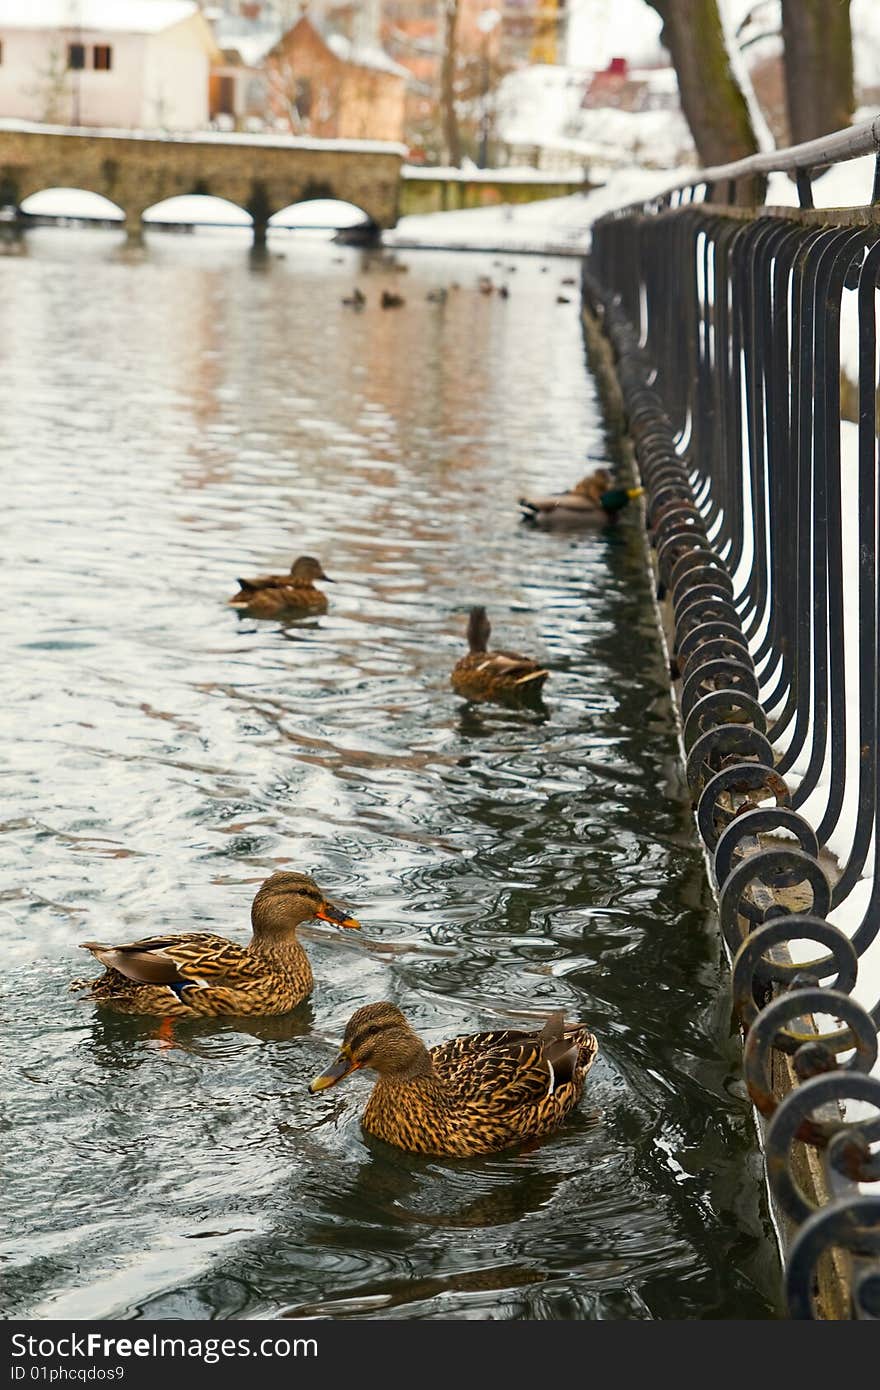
763 508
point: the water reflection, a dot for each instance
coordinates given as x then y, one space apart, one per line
174 419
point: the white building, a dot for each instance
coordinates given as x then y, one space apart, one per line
124 64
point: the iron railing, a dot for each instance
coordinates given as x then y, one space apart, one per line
763 508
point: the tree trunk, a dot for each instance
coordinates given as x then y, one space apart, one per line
451 133
711 98
818 66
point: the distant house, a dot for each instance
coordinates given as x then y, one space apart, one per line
615 87
126 64
622 88
331 87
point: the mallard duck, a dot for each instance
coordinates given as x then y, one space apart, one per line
195 974
594 498
485 675
270 594
474 1095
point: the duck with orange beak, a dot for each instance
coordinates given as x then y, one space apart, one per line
478 1094
197 974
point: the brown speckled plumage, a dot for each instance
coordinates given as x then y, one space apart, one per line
270 595
197 974
485 675
478 1094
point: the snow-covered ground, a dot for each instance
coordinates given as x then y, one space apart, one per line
552 224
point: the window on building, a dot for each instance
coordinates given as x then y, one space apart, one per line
102 57
76 56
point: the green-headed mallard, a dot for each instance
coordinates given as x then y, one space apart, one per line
594 498
474 1095
197 974
269 595
485 675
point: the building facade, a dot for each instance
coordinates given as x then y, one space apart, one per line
120 64
333 88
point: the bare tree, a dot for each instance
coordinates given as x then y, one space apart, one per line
288 92
52 88
448 68
818 66
711 97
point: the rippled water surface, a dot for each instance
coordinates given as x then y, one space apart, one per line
176 417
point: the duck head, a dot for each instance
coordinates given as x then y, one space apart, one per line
618 497
306 569
379 1037
478 630
286 900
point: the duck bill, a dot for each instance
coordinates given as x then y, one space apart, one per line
633 492
328 913
343 1066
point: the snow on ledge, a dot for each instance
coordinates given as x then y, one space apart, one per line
207 137
513 174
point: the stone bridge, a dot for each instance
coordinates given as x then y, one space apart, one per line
262 174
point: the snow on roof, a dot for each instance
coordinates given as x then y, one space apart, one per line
251 48
116 16
363 56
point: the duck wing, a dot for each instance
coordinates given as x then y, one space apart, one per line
264 581
197 957
507 1069
575 503
513 667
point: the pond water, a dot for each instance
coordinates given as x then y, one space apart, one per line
174 417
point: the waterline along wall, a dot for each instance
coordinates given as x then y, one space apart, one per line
762 504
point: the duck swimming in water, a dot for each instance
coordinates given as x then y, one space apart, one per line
594 498
197 974
269 595
485 675
478 1094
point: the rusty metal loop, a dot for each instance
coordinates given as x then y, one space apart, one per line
761 820
713 649
678 521
692 560
710 751
752 966
705 574
704 588
670 494
708 610
849 1223
679 543
720 674
791 1120
768 1033
722 707
741 778
735 646
772 868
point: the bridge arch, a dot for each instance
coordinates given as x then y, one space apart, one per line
197 210
76 203
326 215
